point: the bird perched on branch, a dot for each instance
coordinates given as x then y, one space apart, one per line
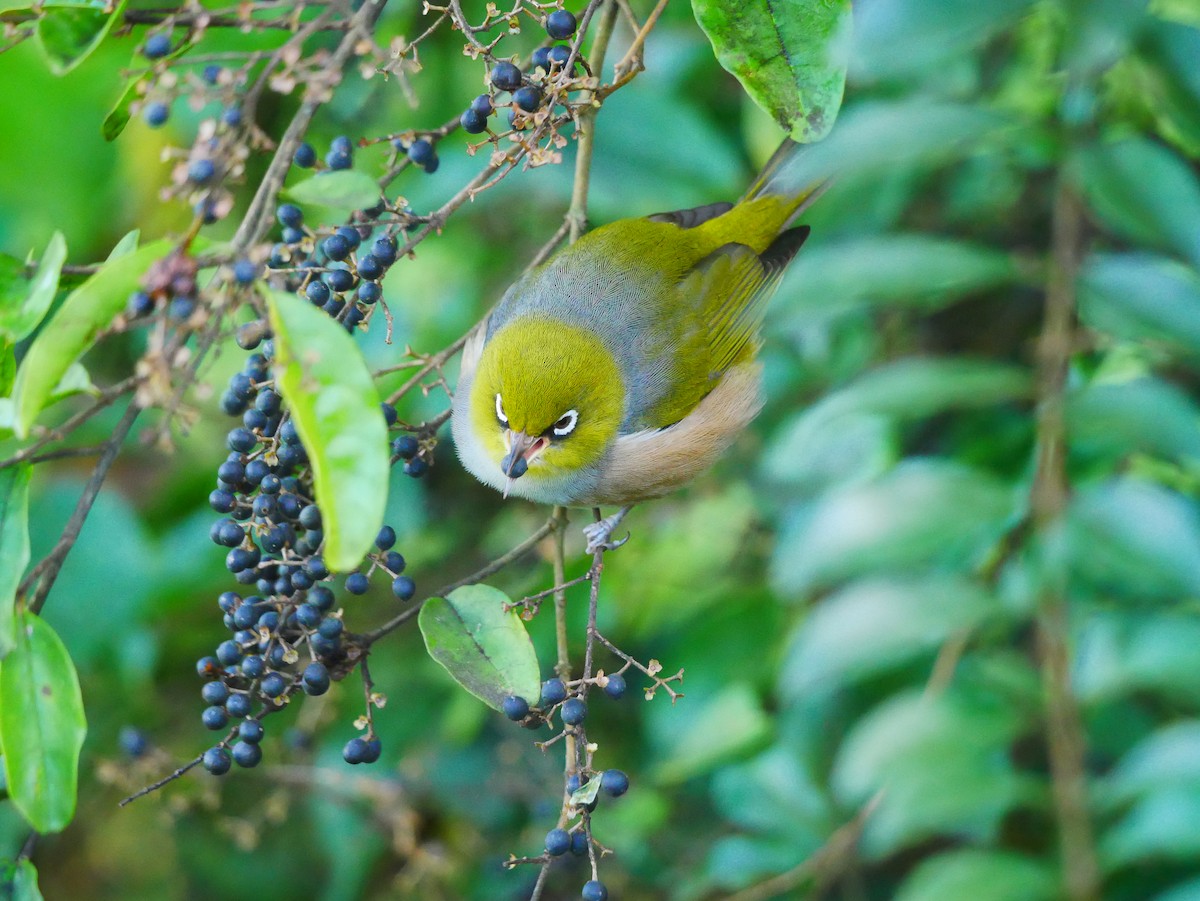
624 366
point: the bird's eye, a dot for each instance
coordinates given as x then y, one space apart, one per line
565 424
500 411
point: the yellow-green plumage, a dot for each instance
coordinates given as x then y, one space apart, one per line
632 327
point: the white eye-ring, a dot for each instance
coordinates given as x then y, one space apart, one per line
500 412
565 424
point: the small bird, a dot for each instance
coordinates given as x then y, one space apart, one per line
625 365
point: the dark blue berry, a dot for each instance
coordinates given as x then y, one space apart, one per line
157 46
389 413
394 562
404 588
215 692
214 717
579 843
421 152
505 76
232 404
594 890
305 157
246 754
357 583
315 679
140 304
331 627
216 761
181 308
222 501
384 249
416 468
208 668
156 114
253 666
239 705
310 517
245 271
406 447
230 534
211 74
369 267
558 841
240 440
540 58
254 420
292 235
614 783
307 615
229 653
268 401
201 171
560 24
315 567
232 116
515 708
374 749
340 279
290 215
386 538
574 711
133 741
350 233
273 684
559 54
553 692
528 98
473 122
317 292
339 159
356 751
256 471
517 121
616 686
482 104
251 731
342 144
325 647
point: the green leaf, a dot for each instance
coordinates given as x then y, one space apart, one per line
874 624
818 449
1166 759
127 244
905 270
586 793
1185 891
86 312
783 54
980 875
118 117
773 794
1171 82
1120 654
1162 825
484 647
21 314
327 387
19 882
1142 297
74 381
14 546
8 373
41 725
1136 539
943 763
1141 415
1142 191
918 37
344 189
728 725
924 512
68 33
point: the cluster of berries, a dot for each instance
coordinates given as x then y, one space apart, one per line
527 91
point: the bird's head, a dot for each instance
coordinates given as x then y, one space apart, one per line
546 400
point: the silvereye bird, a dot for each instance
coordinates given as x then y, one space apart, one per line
623 366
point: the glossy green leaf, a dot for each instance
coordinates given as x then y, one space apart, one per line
1161 826
922 513
1168 758
86 312
1142 297
19 881
74 381
942 762
484 647
1171 81
118 116
68 33
41 725
905 270
14 546
1141 415
127 244
723 727
1136 539
344 189
981 875
1185 891
784 55
327 387
23 304
874 624
1122 653
1143 191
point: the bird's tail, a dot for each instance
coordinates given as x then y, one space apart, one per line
788 176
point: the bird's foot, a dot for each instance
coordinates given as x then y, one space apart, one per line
599 533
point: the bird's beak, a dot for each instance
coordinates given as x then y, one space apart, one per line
521 450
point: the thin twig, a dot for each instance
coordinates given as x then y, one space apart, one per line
155 786
45 573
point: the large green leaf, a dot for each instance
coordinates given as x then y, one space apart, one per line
1168 758
69 32
1171 81
484 647
729 724
1142 191
19 881
893 270
327 387
20 315
14 546
784 55
943 763
41 725
1123 653
1160 826
86 312
1141 415
980 875
924 512
345 190
875 623
1142 297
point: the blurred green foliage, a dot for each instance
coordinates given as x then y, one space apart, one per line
870 534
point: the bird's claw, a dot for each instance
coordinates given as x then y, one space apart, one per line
599 533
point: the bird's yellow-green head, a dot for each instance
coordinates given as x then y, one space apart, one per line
546 402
